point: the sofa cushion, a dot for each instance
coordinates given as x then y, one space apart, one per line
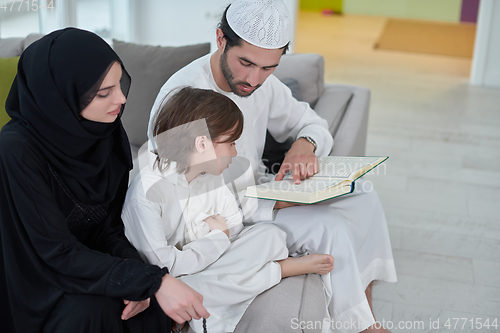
308 70
11 47
294 87
150 67
335 101
295 300
8 70
286 307
30 39
274 151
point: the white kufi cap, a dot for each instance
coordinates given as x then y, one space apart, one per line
263 23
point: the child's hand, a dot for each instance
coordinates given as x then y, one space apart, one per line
217 222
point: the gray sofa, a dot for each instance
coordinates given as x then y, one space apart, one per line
344 107
295 299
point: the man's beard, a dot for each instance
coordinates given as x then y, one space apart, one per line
228 75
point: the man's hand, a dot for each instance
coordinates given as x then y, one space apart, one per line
179 301
132 308
301 160
217 222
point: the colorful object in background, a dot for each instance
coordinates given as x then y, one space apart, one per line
441 38
8 71
327 12
432 10
469 12
326 7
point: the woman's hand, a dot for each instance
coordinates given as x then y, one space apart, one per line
217 222
179 301
132 308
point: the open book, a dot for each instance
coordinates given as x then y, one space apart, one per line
336 177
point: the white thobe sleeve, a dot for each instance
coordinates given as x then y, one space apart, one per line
289 118
149 230
230 211
264 212
253 210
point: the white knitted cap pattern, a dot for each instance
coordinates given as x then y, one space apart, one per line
263 23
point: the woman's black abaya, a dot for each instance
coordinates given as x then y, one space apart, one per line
62 185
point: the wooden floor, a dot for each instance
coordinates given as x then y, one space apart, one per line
441 190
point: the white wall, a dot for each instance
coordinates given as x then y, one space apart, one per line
121 18
18 25
486 60
176 23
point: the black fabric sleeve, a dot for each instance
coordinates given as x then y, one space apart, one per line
124 278
42 256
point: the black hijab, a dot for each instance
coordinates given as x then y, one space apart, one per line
58 76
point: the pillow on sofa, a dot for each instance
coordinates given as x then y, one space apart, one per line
30 39
308 70
150 67
11 47
336 100
8 70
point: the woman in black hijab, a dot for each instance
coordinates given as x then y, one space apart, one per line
65 264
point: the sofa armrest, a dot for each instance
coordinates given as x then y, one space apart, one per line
348 125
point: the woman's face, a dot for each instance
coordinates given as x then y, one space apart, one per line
108 101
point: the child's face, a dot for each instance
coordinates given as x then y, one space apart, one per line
225 151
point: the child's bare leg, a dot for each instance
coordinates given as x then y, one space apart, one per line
313 263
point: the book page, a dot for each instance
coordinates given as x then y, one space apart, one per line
343 166
307 186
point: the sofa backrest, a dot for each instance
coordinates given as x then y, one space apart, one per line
150 67
308 70
13 47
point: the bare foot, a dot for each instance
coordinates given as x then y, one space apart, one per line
312 263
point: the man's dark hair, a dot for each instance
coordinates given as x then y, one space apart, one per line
232 39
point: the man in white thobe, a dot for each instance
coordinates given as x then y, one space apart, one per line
251 38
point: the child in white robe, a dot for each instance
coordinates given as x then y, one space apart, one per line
179 213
